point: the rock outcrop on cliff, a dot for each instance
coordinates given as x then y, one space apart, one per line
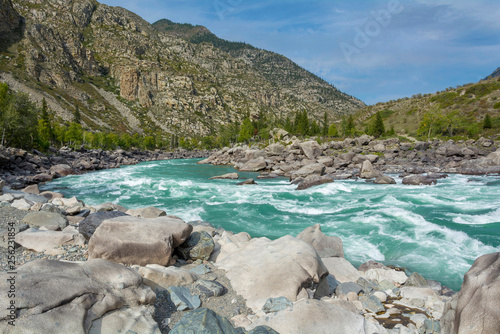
124 74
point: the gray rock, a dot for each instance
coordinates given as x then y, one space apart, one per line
203 321
149 212
209 288
275 149
200 270
367 171
76 296
198 246
367 285
416 280
50 220
476 308
247 182
332 284
262 330
317 169
36 198
432 326
22 204
276 304
254 165
313 180
371 303
140 241
88 226
183 299
344 288
417 180
326 246
311 149
229 176
384 179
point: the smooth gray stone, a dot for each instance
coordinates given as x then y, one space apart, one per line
183 299
204 321
209 288
200 270
345 288
276 304
372 303
198 246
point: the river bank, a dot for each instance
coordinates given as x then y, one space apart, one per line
20 168
171 268
308 163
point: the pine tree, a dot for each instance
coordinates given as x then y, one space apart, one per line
77 117
247 130
487 122
332 131
376 128
325 124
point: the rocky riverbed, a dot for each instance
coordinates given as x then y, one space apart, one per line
308 163
74 268
19 168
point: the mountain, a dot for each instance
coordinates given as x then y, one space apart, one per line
495 74
123 74
455 111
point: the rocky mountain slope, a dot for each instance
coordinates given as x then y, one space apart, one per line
495 74
456 111
124 74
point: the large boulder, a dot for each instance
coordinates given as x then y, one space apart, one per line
261 269
275 150
418 180
341 269
476 308
314 316
228 176
88 226
50 220
61 170
384 179
311 149
254 165
149 212
48 241
314 180
96 296
326 246
141 241
367 170
311 169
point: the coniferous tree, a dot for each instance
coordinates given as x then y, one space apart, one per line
376 127
77 117
332 131
325 124
487 122
247 130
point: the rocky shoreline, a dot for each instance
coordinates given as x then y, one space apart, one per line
82 269
308 163
20 168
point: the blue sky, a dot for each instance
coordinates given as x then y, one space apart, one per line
374 50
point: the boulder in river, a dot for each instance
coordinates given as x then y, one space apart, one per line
313 180
229 176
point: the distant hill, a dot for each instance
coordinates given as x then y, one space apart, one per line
456 111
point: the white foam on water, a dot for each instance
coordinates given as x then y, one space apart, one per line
492 217
360 249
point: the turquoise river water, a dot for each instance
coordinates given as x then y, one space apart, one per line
437 231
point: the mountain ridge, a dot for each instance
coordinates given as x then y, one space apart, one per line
125 75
